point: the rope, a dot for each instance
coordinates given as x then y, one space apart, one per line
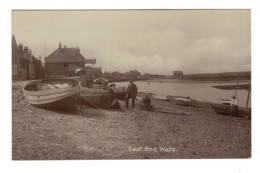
95 106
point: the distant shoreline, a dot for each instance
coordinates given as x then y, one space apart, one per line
230 77
176 80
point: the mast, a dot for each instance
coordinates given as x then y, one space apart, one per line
236 89
249 90
44 49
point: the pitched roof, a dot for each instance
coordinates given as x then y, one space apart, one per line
25 56
65 55
14 44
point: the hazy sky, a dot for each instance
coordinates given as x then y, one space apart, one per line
150 41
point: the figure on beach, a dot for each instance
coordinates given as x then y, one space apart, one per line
111 93
147 103
234 106
131 93
111 101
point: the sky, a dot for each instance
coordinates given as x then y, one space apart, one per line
150 41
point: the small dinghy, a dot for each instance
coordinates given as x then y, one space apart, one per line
53 93
186 101
160 97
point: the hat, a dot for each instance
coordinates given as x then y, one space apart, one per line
112 85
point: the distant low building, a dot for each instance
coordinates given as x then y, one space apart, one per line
134 73
147 75
177 73
117 74
97 72
114 74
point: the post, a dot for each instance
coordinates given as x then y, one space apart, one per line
249 90
236 89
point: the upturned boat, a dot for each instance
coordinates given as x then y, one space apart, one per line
225 109
186 101
53 93
98 98
159 96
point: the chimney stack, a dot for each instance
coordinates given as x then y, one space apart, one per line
26 49
20 47
60 45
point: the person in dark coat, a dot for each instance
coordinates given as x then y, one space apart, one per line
111 93
111 101
131 93
147 102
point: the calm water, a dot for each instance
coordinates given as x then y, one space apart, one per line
198 91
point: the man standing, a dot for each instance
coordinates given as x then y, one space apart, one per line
131 93
234 107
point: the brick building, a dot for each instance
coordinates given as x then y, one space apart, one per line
64 62
24 65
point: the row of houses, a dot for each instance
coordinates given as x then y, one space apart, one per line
25 66
62 62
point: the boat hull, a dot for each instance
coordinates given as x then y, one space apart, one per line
226 110
60 98
99 101
221 109
160 97
69 102
190 103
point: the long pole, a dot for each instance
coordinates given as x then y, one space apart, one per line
236 89
44 49
249 90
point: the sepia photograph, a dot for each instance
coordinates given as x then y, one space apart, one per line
131 84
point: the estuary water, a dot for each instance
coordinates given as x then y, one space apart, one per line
201 91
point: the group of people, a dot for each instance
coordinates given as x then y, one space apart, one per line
131 93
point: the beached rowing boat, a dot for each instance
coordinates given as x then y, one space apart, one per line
53 93
98 98
159 97
225 109
186 101
221 108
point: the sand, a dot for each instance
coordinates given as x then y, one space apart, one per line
42 134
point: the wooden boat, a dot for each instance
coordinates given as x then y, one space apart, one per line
225 101
186 101
221 108
228 106
98 98
53 93
159 97
225 109
151 92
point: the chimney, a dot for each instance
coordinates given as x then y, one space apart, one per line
26 49
20 47
77 50
30 51
60 45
